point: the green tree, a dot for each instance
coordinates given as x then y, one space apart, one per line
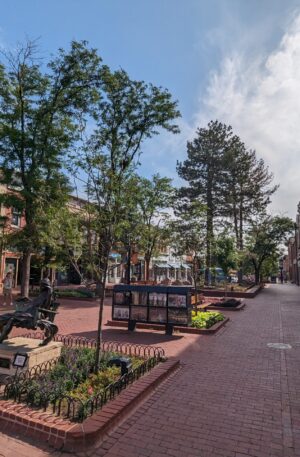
247 189
188 235
154 197
204 171
128 113
225 253
264 239
41 115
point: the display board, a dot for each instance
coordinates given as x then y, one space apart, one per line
152 304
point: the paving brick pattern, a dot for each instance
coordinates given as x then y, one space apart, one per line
233 397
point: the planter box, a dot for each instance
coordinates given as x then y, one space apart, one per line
76 298
250 293
226 308
177 328
73 437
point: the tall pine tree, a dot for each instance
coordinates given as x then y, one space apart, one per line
204 171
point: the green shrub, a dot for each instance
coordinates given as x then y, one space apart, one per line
76 293
206 319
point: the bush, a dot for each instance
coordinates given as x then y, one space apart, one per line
73 375
76 293
206 319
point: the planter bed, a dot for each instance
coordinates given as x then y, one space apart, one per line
177 328
249 293
49 399
226 308
63 297
71 437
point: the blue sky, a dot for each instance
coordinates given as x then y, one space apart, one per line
234 60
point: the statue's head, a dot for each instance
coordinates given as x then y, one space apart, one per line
45 284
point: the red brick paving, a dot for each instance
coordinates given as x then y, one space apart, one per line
233 395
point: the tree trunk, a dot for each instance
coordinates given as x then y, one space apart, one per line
257 276
25 274
147 267
240 240
128 265
101 287
209 237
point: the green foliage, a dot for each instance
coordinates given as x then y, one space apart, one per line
41 116
72 376
264 239
225 252
230 182
152 198
206 319
188 234
77 293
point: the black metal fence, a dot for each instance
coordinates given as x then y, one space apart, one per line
20 389
131 349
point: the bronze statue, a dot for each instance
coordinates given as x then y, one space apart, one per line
33 314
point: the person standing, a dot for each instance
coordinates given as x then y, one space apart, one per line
7 288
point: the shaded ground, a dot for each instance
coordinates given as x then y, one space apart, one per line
234 395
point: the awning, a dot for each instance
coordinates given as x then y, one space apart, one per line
185 265
161 265
174 265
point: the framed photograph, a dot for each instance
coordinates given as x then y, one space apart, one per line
119 298
139 298
177 301
139 313
158 315
143 298
135 298
156 299
177 316
121 312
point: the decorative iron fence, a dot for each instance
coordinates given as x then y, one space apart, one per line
20 387
131 349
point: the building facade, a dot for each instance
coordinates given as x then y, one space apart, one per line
294 252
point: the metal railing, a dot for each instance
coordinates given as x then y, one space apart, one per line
131 349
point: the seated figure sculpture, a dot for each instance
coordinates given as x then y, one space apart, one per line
33 314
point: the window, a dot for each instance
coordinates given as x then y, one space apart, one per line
15 217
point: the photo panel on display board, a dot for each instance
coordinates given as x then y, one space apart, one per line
139 313
119 298
121 312
177 301
158 315
177 316
139 298
156 299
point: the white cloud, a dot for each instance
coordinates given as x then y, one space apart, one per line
260 98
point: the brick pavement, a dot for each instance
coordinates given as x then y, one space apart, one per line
233 396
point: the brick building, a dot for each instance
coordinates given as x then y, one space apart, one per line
11 220
294 252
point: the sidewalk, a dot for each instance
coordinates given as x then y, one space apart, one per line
234 396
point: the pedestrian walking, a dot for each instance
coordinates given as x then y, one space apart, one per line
7 288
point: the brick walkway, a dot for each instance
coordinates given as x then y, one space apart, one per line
234 396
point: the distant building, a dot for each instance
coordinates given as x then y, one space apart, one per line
293 260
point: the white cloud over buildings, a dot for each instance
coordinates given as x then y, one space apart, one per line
260 98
